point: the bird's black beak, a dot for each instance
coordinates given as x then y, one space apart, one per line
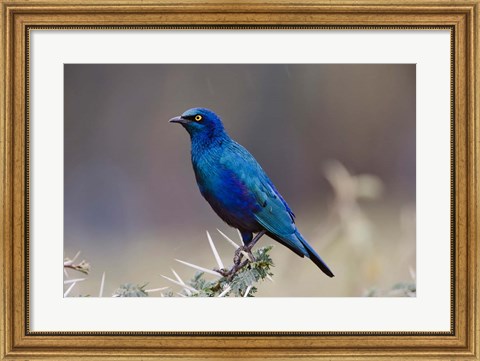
178 119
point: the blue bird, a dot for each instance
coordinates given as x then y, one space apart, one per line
238 189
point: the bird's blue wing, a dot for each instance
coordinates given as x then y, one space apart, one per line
272 212
275 216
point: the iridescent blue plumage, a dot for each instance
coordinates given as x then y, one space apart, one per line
236 186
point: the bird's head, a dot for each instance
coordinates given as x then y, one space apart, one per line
200 122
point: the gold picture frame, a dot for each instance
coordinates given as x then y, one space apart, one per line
20 16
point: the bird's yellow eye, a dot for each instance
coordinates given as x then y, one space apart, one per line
198 117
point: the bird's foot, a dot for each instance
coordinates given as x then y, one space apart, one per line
243 251
229 273
238 264
224 272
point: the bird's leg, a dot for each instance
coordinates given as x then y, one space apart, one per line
237 259
238 255
255 240
242 251
248 248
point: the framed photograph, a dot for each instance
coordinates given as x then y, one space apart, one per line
243 180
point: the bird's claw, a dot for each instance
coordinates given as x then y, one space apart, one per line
228 274
237 257
243 251
224 272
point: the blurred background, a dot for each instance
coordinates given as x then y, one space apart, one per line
338 141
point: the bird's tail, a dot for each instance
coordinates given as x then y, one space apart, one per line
314 256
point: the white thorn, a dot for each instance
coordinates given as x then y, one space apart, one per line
248 290
178 283
177 276
240 235
412 273
228 239
100 294
75 280
215 252
65 272
76 256
225 291
180 280
270 278
206 270
180 294
247 256
69 289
